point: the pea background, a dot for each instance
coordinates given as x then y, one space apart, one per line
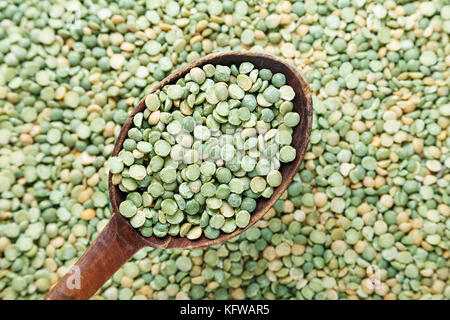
367 216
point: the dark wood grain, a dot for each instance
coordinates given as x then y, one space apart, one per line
119 241
112 248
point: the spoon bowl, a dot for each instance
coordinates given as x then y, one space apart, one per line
302 105
119 240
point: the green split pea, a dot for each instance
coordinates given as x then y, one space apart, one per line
204 150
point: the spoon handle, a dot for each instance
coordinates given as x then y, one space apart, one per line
112 248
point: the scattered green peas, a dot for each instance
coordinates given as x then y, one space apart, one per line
366 217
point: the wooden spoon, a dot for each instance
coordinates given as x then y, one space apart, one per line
119 240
